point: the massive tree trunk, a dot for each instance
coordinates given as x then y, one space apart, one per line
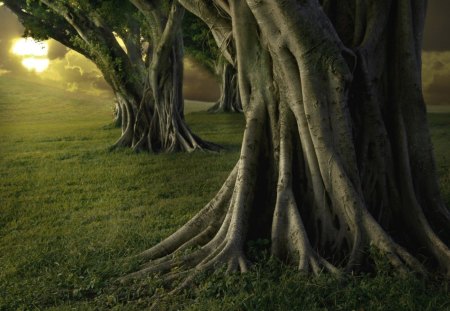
336 161
229 100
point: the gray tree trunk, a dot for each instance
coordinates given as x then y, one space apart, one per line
229 100
160 119
117 114
336 161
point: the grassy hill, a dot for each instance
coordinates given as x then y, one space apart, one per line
71 212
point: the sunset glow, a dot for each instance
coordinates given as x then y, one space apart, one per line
30 47
33 53
36 64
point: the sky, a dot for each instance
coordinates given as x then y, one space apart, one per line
67 69
70 70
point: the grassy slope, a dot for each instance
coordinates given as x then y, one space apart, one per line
70 211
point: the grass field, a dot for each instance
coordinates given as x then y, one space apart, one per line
71 212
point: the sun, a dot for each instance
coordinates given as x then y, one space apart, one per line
33 54
30 47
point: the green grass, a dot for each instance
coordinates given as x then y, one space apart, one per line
71 212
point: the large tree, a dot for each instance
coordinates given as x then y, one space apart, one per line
94 39
336 162
146 75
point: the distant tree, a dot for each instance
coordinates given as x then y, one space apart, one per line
336 166
200 45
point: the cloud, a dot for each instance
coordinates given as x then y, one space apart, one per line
76 73
56 50
436 77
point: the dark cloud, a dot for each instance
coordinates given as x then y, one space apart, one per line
437 25
100 84
56 50
94 79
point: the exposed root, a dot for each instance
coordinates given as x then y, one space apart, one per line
220 226
197 224
400 258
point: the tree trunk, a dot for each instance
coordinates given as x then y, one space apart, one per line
229 100
117 115
128 120
160 120
336 160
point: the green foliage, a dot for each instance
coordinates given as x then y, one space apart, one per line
71 213
199 42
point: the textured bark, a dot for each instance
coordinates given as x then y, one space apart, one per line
118 115
160 124
229 100
336 160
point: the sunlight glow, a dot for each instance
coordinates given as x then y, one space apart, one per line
36 64
30 47
33 54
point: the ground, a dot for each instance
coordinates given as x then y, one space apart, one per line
70 212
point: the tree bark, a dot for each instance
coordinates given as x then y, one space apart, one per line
160 118
229 100
336 161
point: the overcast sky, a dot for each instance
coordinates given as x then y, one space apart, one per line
73 72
